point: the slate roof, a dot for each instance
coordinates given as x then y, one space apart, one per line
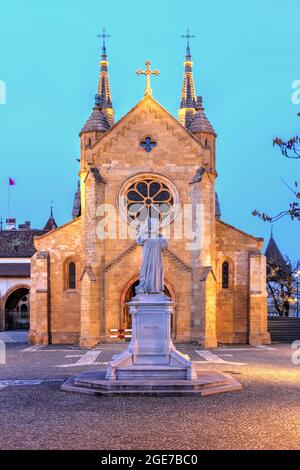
14 269
273 254
50 224
76 211
18 243
217 207
96 122
200 123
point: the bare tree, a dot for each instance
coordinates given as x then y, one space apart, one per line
289 149
282 285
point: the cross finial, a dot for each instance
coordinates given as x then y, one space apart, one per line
148 72
188 36
103 36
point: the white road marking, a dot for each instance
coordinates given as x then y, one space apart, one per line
33 348
214 359
24 382
87 359
39 348
256 348
263 347
235 349
7 383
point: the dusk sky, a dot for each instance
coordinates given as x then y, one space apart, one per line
245 61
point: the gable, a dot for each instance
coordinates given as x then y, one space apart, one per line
65 237
120 146
228 236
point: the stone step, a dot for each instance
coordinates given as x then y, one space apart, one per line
212 389
145 385
144 372
231 386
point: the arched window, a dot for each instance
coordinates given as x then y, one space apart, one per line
72 275
225 275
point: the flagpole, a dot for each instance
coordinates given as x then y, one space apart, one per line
8 202
11 182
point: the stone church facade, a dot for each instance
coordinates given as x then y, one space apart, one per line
81 279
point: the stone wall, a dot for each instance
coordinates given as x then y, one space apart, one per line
55 309
234 305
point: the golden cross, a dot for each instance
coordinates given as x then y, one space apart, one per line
148 73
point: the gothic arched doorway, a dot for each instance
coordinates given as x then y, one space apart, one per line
128 293
17 309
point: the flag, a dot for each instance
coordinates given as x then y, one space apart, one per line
11 182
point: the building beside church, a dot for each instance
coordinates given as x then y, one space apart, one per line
16 250
147 162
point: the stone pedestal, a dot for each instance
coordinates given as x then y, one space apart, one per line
151 365
151 352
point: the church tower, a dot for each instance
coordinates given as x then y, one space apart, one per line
191 112
187 107
103 83
102 117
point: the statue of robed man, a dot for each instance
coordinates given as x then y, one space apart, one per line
152 271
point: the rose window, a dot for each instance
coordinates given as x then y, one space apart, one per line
148 199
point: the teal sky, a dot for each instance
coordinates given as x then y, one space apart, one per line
245 54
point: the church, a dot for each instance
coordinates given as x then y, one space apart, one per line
147 164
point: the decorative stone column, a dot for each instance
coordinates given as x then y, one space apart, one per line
258 311
40 318
203 302
92 291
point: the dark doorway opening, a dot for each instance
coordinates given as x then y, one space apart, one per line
126 317
17 310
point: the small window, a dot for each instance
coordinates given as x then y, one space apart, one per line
225 275
72 276
206 142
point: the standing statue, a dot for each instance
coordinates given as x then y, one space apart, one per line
152 271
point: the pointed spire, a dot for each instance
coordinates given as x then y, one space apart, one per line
102 117
275 258
188 95
76 211
103 82
217 207
50 224
273 254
